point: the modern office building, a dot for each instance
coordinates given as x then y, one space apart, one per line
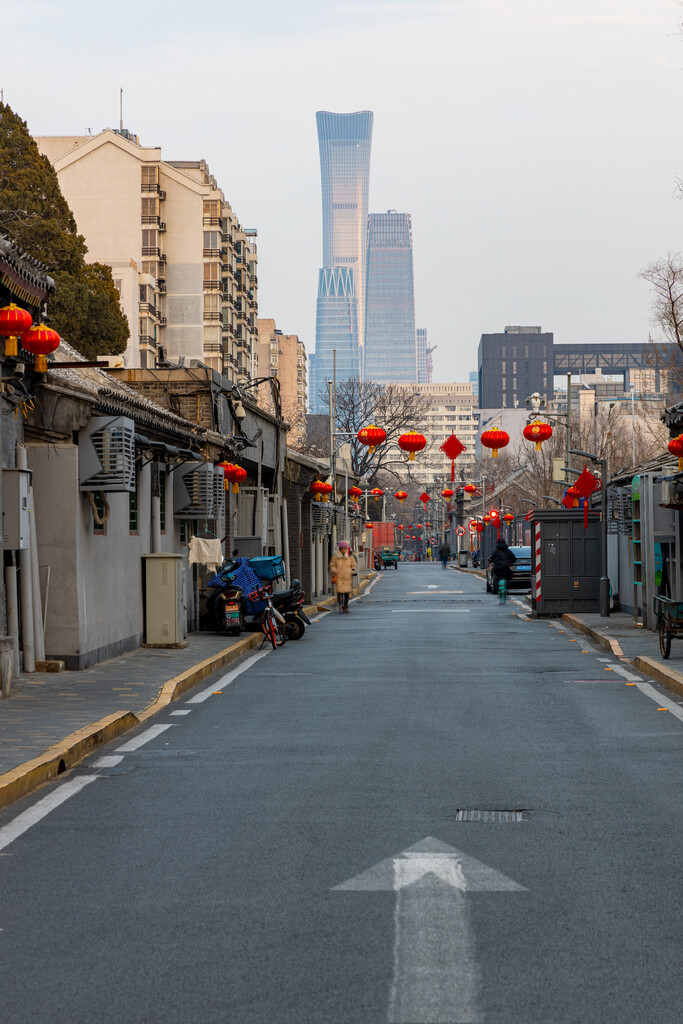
390 300
474 381
425 362
522 360
184 267
344 141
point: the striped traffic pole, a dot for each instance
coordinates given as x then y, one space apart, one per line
538 560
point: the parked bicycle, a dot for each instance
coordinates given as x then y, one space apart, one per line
271 621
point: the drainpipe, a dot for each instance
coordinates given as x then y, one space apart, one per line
26 590
38 634
13 609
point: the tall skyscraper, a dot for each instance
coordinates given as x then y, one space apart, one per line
344 141
390 303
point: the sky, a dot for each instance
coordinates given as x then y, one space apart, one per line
535 143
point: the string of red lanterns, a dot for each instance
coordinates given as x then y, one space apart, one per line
16 325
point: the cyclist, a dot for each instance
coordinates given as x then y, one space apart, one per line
500 562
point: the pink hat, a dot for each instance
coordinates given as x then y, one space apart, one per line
344 544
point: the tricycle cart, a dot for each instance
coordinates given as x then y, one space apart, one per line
389 558
669 622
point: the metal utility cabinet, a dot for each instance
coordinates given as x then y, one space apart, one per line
164 619
566 569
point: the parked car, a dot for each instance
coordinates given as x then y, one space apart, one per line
521 570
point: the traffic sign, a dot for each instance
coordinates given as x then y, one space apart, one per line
460 531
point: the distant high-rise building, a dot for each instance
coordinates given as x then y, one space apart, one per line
390 303
474 381
344 141
421 354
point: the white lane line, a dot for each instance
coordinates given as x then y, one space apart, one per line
431 611
228 678
187 712
605 659
629 676
319 617
108 762
145 737
650 692
24 821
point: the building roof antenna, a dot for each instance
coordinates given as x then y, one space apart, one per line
121 108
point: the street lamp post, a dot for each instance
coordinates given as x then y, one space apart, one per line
604 578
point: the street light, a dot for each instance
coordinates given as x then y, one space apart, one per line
604 579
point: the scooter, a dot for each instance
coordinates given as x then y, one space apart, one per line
231 611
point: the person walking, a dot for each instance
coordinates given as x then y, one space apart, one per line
429 554
500 562
444 554
343 569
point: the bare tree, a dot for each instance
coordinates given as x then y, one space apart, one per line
396 409
666 345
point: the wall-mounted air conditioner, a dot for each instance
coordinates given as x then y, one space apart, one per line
106 454
194 491
672 493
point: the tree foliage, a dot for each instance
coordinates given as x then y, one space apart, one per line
35 215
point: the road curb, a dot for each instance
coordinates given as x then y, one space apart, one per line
669 677
26 777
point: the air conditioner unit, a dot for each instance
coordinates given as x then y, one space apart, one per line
106 454
672 493
194 491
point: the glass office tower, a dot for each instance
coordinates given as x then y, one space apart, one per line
390 345
344 141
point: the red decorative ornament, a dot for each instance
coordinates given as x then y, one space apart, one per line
424 498
495 439
469 488
401 496
368 526
538 432
509 518
355 493
675 446
480 527
376 492
14 322
472 525
40 341
318 489
236 475
447 493
486 520
418 526
571 498
412 442
401 526
452 447
584 486
372 436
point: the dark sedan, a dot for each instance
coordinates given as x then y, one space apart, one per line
521 570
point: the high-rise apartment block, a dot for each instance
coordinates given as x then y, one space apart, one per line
452 410
390 344
185 268
283 356
344 141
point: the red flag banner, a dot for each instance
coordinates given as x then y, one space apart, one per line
452 447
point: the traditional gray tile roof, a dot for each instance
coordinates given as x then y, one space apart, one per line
22 275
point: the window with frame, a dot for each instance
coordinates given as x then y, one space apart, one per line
150 175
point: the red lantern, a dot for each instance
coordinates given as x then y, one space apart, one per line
372 437
318 488
355 493
412 442
469 488
40 341
509 518
376 492
236 475
495 439
14 322
418 526
571 498
538 432
675 446
401 496
401 526
368 526
447 493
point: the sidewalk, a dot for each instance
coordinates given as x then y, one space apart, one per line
53 720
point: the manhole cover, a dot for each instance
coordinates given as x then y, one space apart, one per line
490 816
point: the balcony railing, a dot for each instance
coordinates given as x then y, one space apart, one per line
150 218
212 286
153 187
213 318
163 321
213 254
151 250
161 285
212 222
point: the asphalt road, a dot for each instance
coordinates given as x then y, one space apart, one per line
289 850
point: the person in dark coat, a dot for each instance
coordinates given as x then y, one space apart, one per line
444 554
500 562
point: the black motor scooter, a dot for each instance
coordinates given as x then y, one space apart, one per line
231 611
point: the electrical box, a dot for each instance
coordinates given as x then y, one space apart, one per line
16 484
164 620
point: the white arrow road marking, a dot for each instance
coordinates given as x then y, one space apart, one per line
436 976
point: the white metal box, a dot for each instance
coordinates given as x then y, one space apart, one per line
164 600
16 485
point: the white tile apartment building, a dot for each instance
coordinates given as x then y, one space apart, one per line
453 410
185 269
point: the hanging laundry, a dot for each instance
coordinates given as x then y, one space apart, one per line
205 551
